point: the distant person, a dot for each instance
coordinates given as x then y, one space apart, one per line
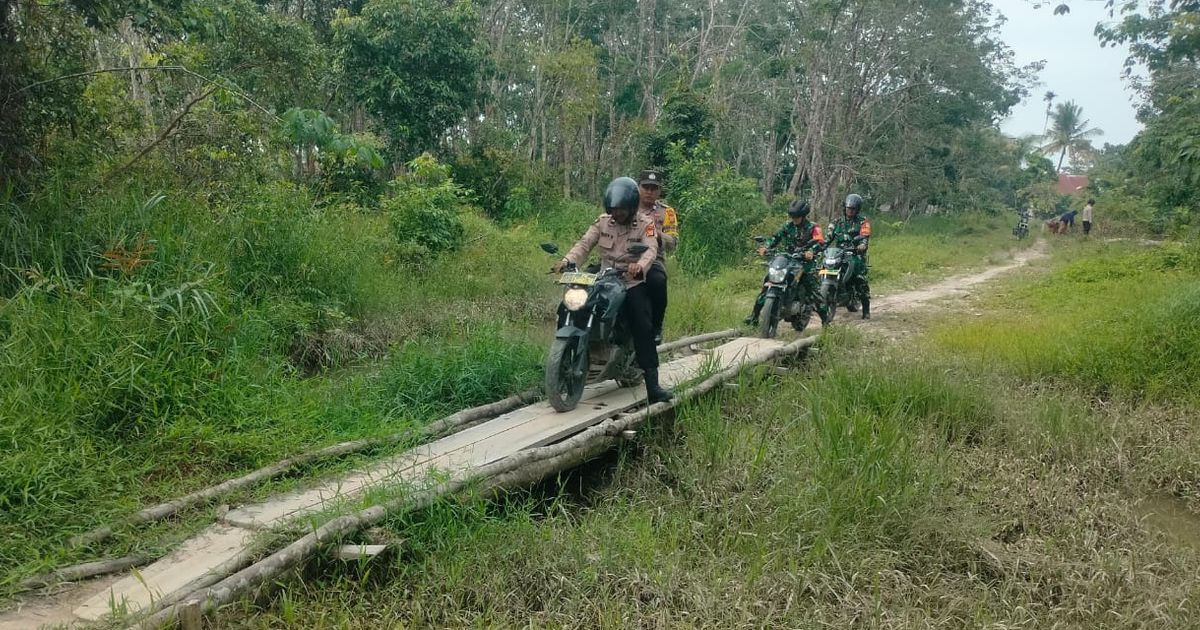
1068 220
1086 216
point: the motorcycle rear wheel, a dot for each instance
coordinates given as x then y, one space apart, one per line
564 387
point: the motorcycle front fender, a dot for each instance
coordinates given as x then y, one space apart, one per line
566 332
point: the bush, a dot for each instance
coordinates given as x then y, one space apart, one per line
716 208
424 207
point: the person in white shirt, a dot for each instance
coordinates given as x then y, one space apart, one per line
1086 216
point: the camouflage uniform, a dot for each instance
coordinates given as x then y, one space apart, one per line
845 230
796 239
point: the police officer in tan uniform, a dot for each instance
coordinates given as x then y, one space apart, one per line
620 228
667 222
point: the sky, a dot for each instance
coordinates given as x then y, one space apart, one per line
1077 67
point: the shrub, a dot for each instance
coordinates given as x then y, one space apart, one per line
424 207
716 208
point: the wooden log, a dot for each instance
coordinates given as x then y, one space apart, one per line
435 429
190 617
357 552
687 341
517 470
83 571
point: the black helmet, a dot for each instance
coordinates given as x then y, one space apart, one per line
798 209
622 192
853 201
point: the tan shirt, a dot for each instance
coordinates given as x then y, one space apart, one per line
613 240
667 222
1086 215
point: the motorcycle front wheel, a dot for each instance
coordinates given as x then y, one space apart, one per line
829 298
564 380
769 324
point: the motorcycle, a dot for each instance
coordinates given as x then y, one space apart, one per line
838 269
783 300
1022 228
592 343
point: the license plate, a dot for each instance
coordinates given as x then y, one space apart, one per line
828 272
578 277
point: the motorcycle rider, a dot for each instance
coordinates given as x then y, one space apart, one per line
618 229
844 232
798 234
667 222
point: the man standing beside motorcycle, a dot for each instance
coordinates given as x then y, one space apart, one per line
853 231
667 223
617 231
797 235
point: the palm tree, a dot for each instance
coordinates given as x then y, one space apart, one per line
1070 133
1049 98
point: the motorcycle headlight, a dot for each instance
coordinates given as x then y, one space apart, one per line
574 299
775 274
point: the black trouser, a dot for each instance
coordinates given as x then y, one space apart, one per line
656 288
1087 227
636 311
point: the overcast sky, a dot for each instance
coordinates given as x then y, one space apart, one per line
1077 67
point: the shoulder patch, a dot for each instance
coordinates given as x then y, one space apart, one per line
649 231
670 219
865 230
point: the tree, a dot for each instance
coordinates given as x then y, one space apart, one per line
414 64
1070 133
1048 98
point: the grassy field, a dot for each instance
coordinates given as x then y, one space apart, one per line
974 477
194 340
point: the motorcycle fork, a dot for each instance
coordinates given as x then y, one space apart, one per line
583 353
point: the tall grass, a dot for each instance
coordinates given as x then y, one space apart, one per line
874 492
1113 322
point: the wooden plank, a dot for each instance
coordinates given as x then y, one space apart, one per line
535 425
488 442
454 456
197 556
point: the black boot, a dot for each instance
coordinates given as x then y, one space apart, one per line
866 308
753 319
655 393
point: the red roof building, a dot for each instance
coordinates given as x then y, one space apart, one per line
1070 184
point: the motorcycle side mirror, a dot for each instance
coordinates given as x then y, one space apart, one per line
637 249
549 248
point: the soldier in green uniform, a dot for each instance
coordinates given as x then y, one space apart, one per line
853 231
797 235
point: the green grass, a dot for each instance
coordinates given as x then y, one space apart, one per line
925 248
878 487
151 345
863 492
1112 321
